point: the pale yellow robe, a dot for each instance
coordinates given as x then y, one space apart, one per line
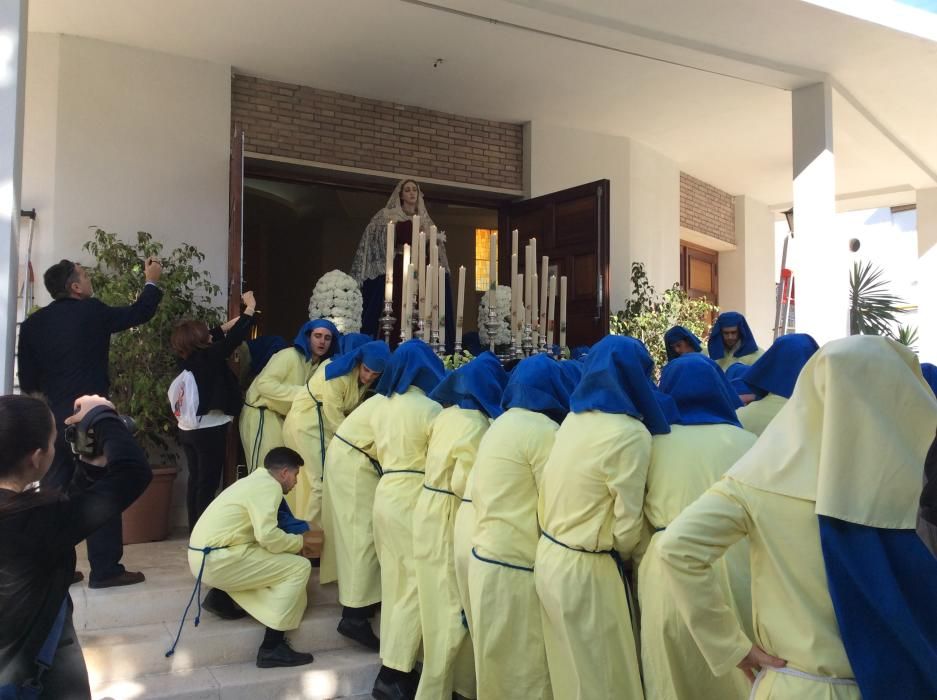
453 444
684 463
507 633
402 426
755 416
462 536
267 402
728 360
260 567
301 431
347 510
793 613
591 499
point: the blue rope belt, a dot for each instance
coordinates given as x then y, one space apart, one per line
466 500
433 488
254 459
321 430
475 554
575 549
196 595
403 471
374 462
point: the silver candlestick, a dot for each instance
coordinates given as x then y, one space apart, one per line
492 325
527 343
388 320
418 332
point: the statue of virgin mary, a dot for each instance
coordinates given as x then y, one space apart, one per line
367 268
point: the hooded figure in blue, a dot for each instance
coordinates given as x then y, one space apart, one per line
591 500
402 424
680 341
270 396
351 341
472 396
704 443
930 375
503 610
736 376
731 341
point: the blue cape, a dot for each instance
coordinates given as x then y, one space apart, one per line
881 583
731 319
701 391
777 370
580 352
735 373
930 375
615 379
477 385
538 384
374 355
262 348
352 341
572 370
413 363
680 333
301 341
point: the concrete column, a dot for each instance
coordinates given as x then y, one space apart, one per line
820 260
746 274
927 273
12 86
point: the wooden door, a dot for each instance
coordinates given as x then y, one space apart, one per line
571 227
235 221
699 272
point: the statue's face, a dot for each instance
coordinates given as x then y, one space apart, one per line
409 193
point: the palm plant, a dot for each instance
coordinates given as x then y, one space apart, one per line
873 308
907 336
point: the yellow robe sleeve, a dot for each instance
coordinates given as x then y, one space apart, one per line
339 397
465 449
540 445
280 382
262 506
698 537
626 473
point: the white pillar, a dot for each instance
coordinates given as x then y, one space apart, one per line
12 86
927 273
820 260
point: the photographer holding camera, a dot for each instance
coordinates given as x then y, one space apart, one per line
39 652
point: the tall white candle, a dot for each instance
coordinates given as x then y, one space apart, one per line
405 286
551 315
406 305
544 280
441 303
534 309
431 307
563 311
519 307
493 262
421 274
389 264
529 277
513 291
460 306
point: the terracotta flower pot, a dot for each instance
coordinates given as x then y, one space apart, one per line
147 518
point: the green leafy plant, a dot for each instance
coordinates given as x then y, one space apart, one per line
873 309
648 315
455 361
142 364
908 336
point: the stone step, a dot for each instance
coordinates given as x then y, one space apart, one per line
347 673
128 652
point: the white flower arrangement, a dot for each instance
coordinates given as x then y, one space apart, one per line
502 313
336 297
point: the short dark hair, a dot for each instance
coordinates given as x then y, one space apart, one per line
25 426
283 457
60 277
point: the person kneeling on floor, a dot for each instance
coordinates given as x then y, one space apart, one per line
238 548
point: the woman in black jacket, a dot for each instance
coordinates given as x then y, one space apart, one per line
205 354
39 530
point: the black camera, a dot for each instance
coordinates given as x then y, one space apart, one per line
80 436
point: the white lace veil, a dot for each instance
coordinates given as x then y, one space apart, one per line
369 259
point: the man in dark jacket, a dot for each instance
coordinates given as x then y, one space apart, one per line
63 354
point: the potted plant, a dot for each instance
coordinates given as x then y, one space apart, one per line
142 364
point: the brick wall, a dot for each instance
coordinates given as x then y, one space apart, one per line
706 209
295 121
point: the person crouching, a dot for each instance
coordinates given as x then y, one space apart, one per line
237 548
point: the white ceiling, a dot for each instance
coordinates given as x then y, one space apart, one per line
705 83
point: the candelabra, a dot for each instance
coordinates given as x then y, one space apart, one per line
388 320
418 333
527 343
492 325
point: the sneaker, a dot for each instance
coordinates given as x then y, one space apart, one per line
360 631
221 604
282 655
127 578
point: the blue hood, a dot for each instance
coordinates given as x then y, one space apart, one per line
615 379
477 385
301 341
352 341
930 375
374 355
735 373
731 319
701 391
680 333
777 370
538 384
413 363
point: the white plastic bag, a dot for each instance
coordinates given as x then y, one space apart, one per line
183 400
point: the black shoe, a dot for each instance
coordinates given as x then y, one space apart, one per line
397 689
282 655
360 631
220 603
127 578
